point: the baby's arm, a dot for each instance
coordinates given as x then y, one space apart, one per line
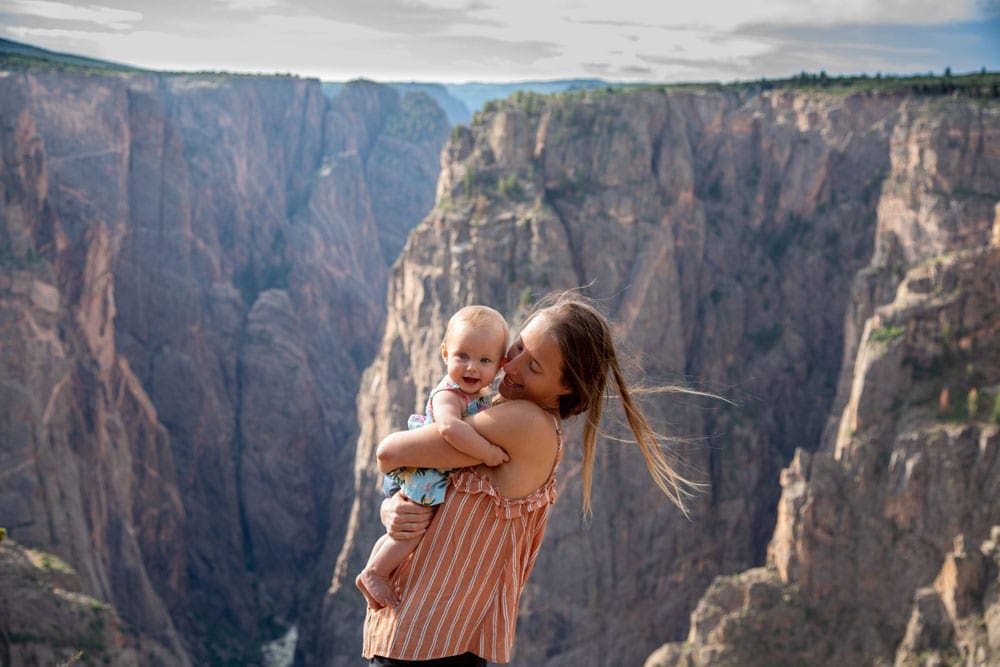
448 417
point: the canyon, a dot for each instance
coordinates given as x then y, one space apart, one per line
751 244
193 277
217 293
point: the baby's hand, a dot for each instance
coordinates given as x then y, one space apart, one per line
495 456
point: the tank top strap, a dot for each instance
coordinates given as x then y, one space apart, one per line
559 448
474 481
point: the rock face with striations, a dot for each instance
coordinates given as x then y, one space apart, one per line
192 275
739 239
48 620
885 543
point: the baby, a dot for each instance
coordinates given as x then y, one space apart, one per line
473 350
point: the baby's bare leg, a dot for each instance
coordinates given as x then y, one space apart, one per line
386 556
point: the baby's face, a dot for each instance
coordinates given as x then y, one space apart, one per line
473 356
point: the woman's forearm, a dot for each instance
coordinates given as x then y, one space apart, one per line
420 448
464 438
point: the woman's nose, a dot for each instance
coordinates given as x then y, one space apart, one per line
512 363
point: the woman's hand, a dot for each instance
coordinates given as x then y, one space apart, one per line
404 519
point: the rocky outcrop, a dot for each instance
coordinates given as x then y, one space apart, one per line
191 281
911 464
958 618
48 620
750 618
739 239
862 531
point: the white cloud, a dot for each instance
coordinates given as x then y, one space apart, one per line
249 5
109 17
279 26
462 40
39 35
866 12
727 15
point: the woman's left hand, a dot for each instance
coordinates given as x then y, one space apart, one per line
404 519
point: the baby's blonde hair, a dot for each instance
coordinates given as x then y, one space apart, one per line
479 316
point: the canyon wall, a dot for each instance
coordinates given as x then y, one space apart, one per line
885 547
192 278
202 340
741 240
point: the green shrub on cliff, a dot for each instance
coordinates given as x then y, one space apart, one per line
982 84
9 258
532 103
417 118
508 186
887 334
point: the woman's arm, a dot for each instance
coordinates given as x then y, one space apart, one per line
448 406
521 428
420 448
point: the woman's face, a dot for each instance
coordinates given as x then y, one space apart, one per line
534 367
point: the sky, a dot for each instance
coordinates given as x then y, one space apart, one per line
457 41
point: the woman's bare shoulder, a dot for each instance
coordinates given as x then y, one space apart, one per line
517 421
518 409
530 437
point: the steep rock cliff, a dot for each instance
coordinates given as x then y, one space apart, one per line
910 463
47 620
867 530
724 231
191 281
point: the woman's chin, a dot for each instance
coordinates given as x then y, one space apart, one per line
509 390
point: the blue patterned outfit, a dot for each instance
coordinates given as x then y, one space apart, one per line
427 485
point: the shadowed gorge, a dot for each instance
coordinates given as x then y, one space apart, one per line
217 293
194 275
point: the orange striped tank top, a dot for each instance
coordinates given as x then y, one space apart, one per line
461 587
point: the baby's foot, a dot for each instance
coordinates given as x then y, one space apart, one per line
376 589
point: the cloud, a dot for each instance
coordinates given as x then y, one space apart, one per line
607 22
109 17
462 40
280 27
401 16
899 48
483 50
727 15
249 5
26 33
635 70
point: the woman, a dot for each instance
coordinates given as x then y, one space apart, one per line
461 588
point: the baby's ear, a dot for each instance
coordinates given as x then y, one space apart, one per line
444 352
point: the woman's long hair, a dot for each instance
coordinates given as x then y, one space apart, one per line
590 364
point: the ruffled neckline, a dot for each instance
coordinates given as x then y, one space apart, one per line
471 480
